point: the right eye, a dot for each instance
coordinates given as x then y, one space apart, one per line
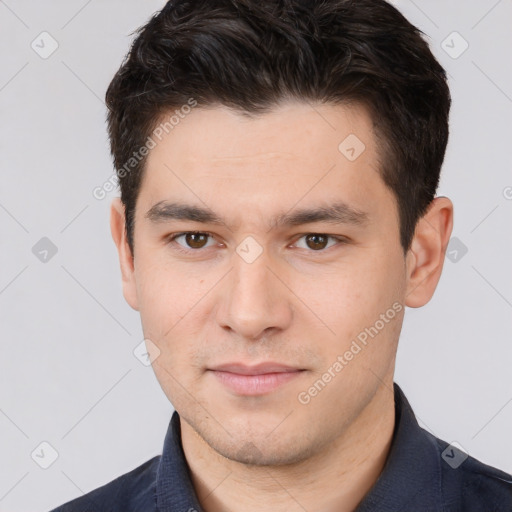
192 240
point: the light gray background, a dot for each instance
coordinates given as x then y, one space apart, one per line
68 375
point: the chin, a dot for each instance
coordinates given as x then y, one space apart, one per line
259 448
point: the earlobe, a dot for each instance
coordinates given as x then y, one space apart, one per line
425 258
118 230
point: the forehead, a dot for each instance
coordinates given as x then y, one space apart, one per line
292 129
269 162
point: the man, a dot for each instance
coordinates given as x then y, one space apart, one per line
278 164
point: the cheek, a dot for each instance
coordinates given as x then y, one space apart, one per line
163 297
172 305
353 296
167 299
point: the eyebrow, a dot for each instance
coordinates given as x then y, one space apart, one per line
336 213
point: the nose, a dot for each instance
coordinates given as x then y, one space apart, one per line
254 301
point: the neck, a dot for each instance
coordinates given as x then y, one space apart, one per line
333 480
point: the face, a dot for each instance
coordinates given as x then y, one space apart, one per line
269 273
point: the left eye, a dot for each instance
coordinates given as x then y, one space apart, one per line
193 239
317 241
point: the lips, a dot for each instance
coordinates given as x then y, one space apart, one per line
253 380
258 369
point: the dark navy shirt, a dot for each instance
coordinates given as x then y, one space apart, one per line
421 474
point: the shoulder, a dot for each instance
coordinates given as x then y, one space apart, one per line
470 484
133 491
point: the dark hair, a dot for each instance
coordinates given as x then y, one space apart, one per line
250 55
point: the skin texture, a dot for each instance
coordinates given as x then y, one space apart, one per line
299 303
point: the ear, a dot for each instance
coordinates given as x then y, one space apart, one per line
118 230
425 258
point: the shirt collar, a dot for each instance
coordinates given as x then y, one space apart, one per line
174 489
411 474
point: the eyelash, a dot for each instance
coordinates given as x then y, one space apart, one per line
180 248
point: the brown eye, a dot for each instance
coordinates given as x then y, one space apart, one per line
196 240
316 241
191 241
